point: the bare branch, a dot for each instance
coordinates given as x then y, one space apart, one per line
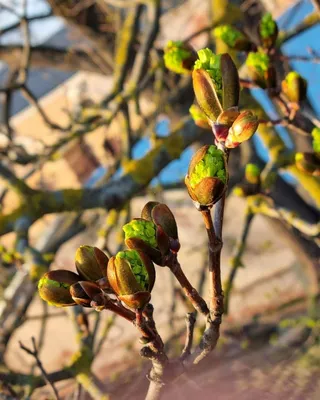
34 353
33 100
309 21
236 262
13 181
113 194
53 57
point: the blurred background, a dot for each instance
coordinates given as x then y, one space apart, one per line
88 104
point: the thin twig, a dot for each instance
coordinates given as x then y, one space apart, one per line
153 12
197 301
33 100
236 259
34 353
105 333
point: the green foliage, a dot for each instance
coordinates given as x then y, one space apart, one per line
258 61
253 170
137 266
212 165
50 282
228 34
292 76
252 173
142 229
210 62
46 283
175 53
267 26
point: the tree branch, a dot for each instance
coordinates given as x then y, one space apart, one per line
236 262
138 174
308 22
52 57
34 353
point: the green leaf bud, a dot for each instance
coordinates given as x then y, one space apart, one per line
207 176
210 62
258 64
294 87
54 287
252 173
131 275
142 229
242 129
232 37
91 263
179 57
268 31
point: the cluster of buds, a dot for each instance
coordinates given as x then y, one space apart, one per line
86 287
233 38
129 275
179 57
155 233
294 87
252 182
206 180
267 31
216 86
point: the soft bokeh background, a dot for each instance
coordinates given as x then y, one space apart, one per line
272 286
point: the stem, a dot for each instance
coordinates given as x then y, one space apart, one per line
214 232
212 332
120 310
153 351
156 385
197 301
34 353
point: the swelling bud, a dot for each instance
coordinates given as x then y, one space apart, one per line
242 129
179 57
131 275
294 87
54 287
87 294
91 263
232 37
267 31
207 176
